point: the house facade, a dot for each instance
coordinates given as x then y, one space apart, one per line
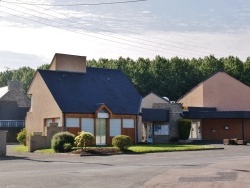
14 105
79 98
219 108
159 119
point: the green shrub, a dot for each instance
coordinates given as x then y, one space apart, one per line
83 138
122 142
184 127
67 147
21 136
60 139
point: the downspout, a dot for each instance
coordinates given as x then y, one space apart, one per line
136 129
242 127
153 132
64 121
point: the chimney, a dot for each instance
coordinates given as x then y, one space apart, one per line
15 86
66 62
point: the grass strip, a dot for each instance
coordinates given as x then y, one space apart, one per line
167 148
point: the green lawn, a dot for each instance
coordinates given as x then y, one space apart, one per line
48 151
22 148
167 148
136 148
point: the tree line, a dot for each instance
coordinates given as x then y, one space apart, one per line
166 77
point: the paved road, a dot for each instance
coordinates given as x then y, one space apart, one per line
213 168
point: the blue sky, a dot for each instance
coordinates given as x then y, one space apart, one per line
32 34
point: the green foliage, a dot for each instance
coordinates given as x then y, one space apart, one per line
67 147
61 140
21 136
44 67
184 127
173 77
83 138
122 142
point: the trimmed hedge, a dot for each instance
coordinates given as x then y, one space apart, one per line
184 127
62 141
122 142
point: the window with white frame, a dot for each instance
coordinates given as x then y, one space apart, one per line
128 123
48 121
72 122
88 125
115 127
161 129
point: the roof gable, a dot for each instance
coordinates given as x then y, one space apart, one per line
82 92
221 91
150 99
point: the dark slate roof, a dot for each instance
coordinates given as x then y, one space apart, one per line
84 92
212 113
152 114
10 111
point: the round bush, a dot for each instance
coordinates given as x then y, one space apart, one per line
21 136
62 139
122 142
67 147
83 139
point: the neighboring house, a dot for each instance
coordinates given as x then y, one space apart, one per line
219 108
79 98
14 104
159 119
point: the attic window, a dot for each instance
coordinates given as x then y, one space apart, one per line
103 113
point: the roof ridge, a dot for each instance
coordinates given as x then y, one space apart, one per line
210 76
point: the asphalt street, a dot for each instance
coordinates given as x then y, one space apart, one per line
229 167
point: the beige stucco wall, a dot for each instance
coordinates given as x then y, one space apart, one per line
150 99
221 91
226 93
43 106
65 62
194 97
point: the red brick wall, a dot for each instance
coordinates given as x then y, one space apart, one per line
218 125
247 129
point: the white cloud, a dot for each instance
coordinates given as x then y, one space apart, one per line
139 31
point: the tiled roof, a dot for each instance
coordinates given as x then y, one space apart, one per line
84 92
10 111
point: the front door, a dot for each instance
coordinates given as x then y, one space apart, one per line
195 132
149 133
100 131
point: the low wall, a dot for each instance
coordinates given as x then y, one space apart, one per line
161 139
3 136
12 133
39 141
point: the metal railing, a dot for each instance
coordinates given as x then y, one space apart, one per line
12 123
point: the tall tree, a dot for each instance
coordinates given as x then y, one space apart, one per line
246 72
234 67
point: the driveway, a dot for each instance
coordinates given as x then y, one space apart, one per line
212 168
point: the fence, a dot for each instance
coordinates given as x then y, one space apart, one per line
12 123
